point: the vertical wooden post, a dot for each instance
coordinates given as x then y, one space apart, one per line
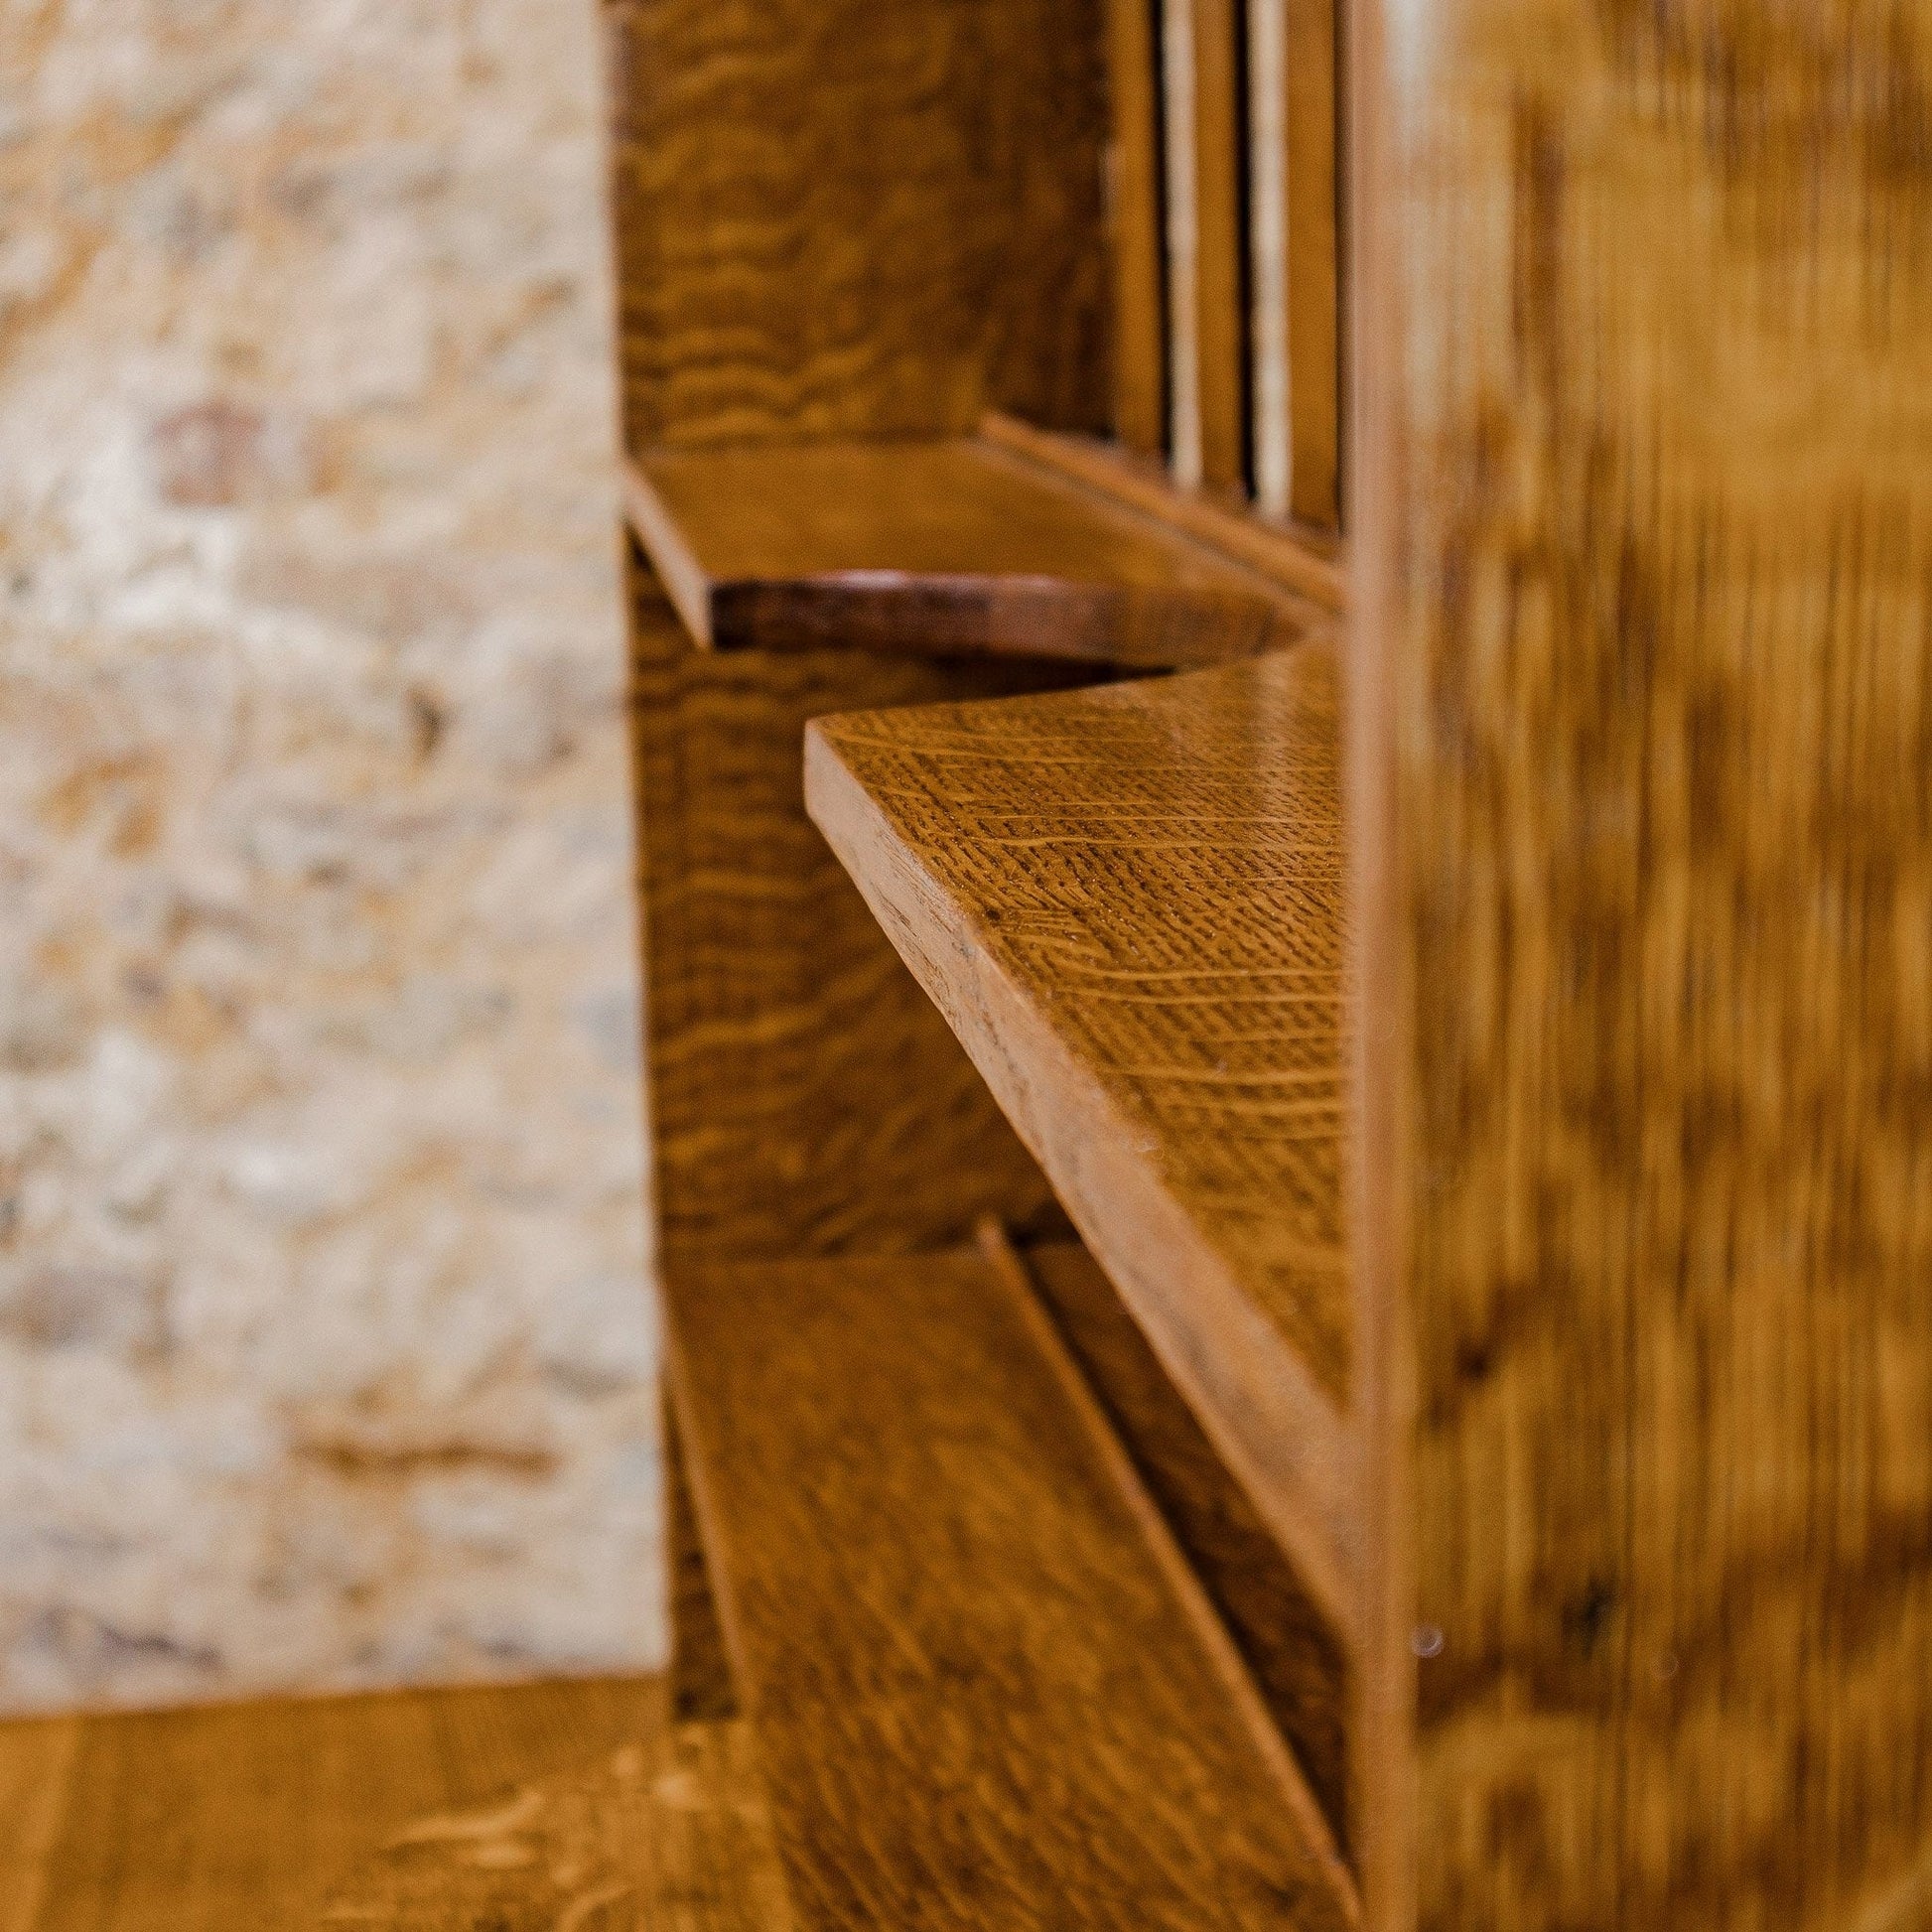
1293 251
1642 812
1220 173
1313 316
1140 341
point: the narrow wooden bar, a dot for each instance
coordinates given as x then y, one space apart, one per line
1181 164
1133 214
1268 265
1309 84
1221 279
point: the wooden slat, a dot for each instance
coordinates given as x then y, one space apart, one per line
1221 276
1269 379
1127 904
836 218
1311 85
981 1701
1139 338
953 549
1305 562
1644 703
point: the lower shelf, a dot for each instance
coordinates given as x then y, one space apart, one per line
983 1696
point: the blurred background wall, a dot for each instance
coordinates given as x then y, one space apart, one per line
325 1353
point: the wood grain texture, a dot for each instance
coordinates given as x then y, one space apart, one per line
1180 202
946 548
1298 1661
836 218
1306 561
669 1833
1645 702
1312 83
1127 904
245 1815
1221 242
804 1097
1268 384
980 1702
703 1684
1135 225
36 1766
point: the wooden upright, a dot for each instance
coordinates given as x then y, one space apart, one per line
1642 829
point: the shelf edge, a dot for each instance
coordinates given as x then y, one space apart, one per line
1283 1436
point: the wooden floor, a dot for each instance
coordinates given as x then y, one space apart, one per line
549 1806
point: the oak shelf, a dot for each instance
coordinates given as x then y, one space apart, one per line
1125 902
986 1689
946 546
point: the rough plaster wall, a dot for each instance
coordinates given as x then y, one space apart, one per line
325 1355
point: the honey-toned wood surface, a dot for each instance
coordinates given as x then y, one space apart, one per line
1300 559
1312 81
1127 904
1134 230
703 1682
248 1815
1645 702
839 219
671 1831
804 1097
946 548
1220 286
980 1700
1297 1660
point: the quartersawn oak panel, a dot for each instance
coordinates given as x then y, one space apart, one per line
1645 704
839 219
980 1702
804 1097
950 547
1127 904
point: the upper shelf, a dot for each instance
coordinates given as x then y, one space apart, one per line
1127 901
946 547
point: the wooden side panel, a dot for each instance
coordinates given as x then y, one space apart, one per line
1135 226
836 218
1643 705
806 1098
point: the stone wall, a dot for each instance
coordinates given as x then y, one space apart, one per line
324 1353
